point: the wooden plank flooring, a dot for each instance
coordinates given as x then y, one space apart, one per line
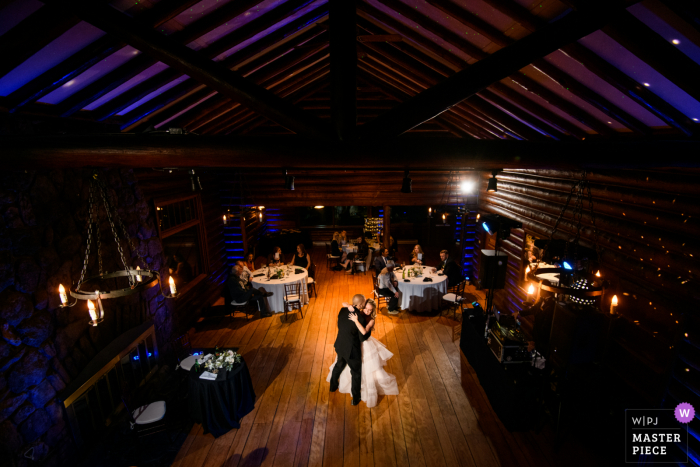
441 416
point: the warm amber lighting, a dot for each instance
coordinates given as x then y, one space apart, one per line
597 274
531 289
91 310
613 305
478 216
261 207
225 220
319 207
173 289
614 300
62 294
139 277
527 271
260 216
430 210
676 41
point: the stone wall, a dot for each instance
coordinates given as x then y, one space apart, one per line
42 243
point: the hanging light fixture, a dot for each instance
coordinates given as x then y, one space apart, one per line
493 183
137 279
406 185
430 213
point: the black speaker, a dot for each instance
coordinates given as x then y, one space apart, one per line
492 269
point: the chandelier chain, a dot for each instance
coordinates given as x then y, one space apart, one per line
89 236
556 224
595 228
114 232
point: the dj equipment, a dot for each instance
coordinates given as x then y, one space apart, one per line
493 269
508 345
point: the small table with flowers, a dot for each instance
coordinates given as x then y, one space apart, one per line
418 294
219 404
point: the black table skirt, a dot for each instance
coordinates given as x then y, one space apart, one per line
219 405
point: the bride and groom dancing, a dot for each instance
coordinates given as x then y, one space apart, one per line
360 358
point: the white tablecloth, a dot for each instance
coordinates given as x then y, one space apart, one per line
420 296
349 248
276 286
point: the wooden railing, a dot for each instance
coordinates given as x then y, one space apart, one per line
95 395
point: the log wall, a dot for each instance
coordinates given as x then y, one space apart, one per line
647 231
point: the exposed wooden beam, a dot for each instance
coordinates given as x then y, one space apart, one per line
580 90
343 40
472 21
631 88
32 34
380 38
125 150
200 68
517 13
91 55
656 51
497 66
150 109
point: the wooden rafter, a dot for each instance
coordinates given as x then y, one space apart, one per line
489 70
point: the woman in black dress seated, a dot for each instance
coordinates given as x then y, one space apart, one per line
301 258
343 262
275 257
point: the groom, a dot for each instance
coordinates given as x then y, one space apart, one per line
347 346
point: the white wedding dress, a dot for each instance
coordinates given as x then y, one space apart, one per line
375 380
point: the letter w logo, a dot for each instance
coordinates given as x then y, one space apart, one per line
684 412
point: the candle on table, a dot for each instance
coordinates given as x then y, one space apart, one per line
173 289
613 305
62 294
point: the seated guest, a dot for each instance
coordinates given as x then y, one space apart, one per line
393 246
417 255
343 237
182 273
239 293
382 261
250 264
245 272
343 262
275 258
449 267
301 258
362 248
387 287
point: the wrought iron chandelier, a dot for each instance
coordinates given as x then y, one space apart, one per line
579 284
94 288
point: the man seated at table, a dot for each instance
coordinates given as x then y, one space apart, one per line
239 293
382 261
388 287
449 267
245 272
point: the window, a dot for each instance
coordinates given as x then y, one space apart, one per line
183 237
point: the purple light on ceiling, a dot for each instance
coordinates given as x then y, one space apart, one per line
666 31
235 23
91 74
54 53
618 56
158 91
520 120
601 87
271 29
144 75
539 100
430 36
15 12
183 111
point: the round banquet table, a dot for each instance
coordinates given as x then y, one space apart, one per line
276 286
420 296
219 405
349 248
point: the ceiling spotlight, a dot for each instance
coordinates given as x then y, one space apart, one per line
493 183
646 84
406 185
676 41
467 186
288 181
318 207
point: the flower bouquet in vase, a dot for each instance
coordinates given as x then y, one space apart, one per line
222 361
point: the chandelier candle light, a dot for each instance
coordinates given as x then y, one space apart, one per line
134 283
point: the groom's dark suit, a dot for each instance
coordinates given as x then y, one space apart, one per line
347 346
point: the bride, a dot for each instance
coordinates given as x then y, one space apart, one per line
375 380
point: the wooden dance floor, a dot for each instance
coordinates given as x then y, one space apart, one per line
441 416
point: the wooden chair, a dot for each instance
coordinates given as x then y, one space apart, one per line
243 307
311 280
330 259
375 283
147 419
454 297
292 298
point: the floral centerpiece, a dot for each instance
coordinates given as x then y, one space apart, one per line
224 359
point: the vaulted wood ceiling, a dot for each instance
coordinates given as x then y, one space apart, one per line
503 69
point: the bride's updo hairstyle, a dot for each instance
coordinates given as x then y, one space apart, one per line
371 302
